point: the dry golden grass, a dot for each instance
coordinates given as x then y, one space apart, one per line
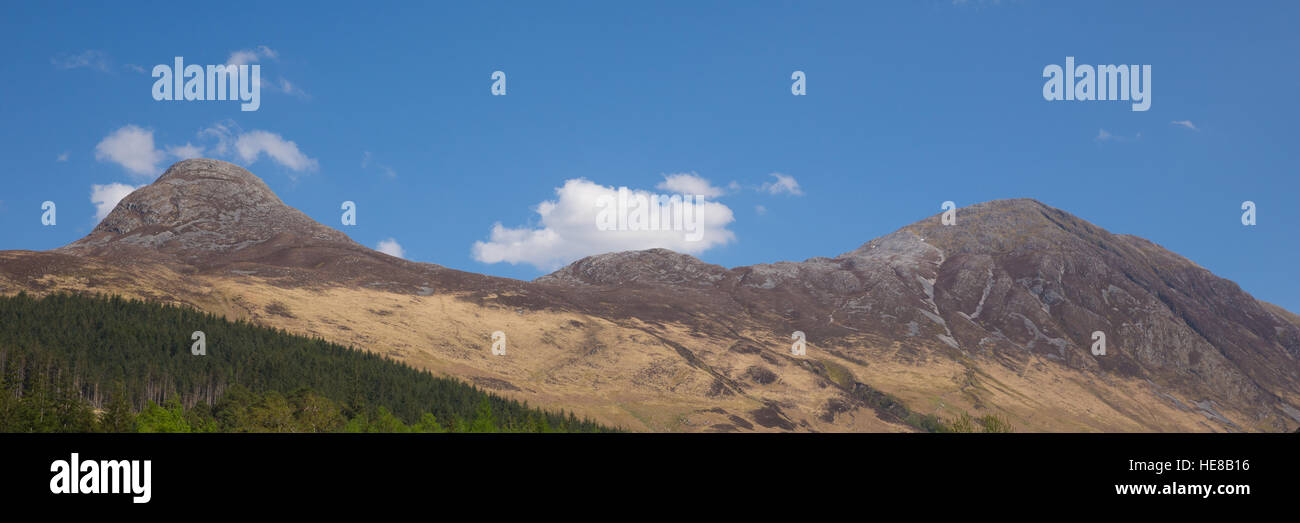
625 374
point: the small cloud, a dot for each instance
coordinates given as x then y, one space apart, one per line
231 140
1185 123
134 68
224 133
248 56
105 197
689 183
241 58
251 145
185 152
259 53
131 147
268 52
90 59
287 87
391 248
761 210
63 157
783 184
1103 135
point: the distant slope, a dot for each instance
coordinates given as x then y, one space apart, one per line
1284 314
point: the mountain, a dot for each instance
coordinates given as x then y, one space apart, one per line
208 212
991 316
1016 279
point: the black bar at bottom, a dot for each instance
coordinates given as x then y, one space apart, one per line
741 473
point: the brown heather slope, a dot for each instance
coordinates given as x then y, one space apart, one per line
993 315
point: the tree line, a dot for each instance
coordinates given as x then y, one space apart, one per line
73 363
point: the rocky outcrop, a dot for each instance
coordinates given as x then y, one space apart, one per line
653 266
1012 278
203 212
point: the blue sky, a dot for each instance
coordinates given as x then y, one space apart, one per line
908 104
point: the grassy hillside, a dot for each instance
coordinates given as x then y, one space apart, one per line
77 363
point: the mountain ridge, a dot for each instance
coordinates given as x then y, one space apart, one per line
1007 297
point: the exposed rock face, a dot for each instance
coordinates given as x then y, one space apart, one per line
1022 274
216 217
1012 278
204 211
654 266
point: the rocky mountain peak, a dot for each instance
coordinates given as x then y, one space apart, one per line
203 210
652 266
199 169
1010 279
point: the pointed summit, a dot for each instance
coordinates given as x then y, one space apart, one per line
205 211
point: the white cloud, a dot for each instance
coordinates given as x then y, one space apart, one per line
1102 135
185 152
567 230
248 56
688 183
241 58
248 147
132 148
105 197
223 132
1185 123
783 184
287 87
90 59
63 157
391 248
761 210
251 145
